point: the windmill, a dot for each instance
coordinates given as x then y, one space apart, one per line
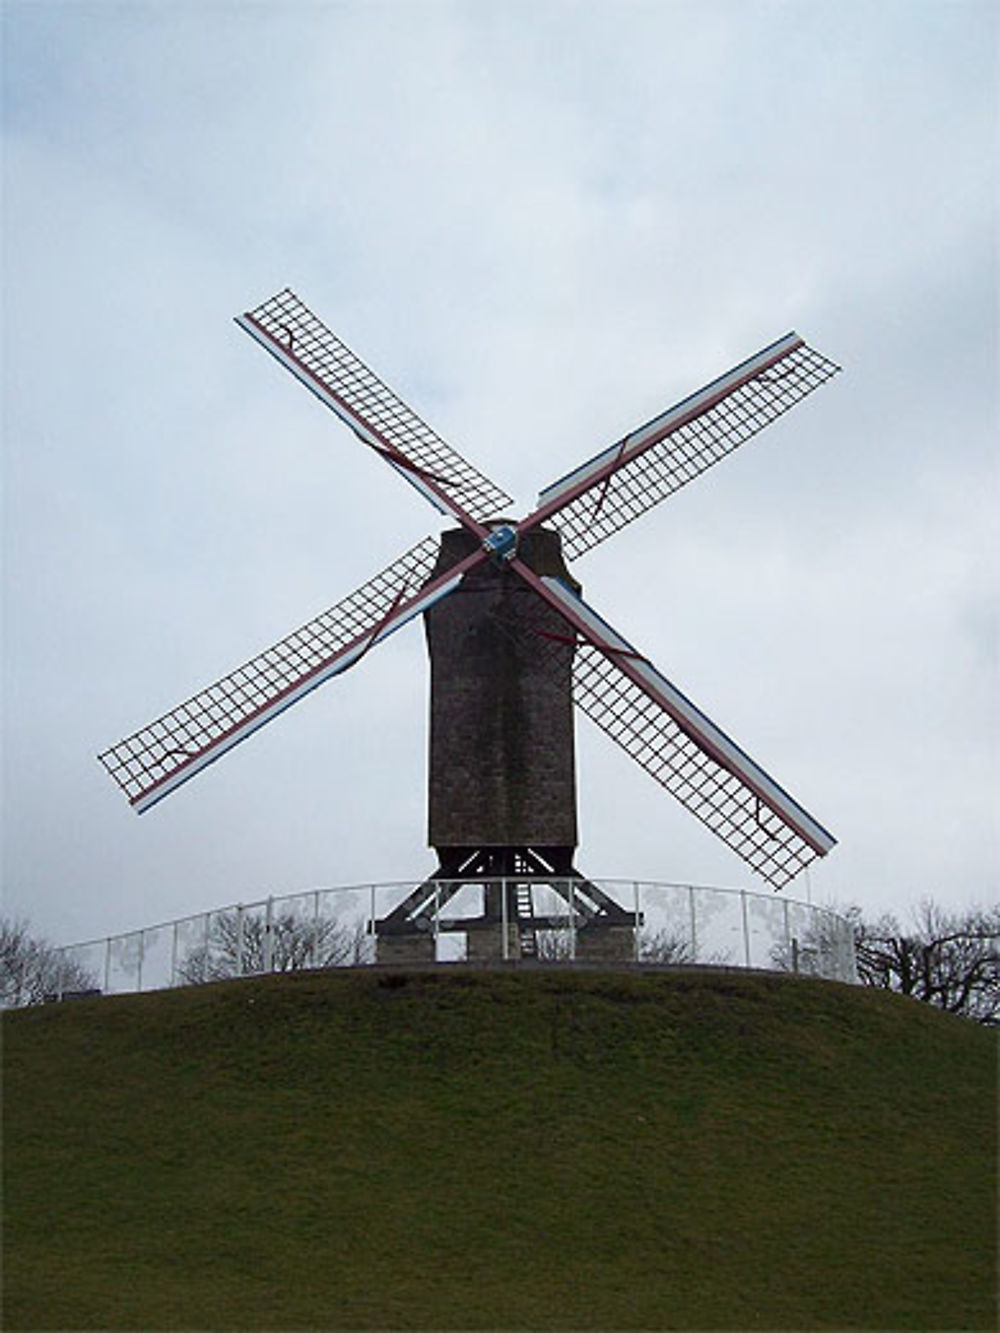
513 646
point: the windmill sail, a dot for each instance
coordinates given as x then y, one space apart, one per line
682 748
623 481
315 355
155 760
716 794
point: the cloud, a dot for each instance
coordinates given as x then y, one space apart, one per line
541 224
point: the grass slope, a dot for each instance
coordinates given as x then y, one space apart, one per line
537 1149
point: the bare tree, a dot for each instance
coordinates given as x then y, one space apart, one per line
31 969
951 960
241 942
666 946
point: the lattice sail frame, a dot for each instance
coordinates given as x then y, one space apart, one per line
289 330
655 460
154 760
675 742
714 794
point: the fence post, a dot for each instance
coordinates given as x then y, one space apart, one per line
852 953
694 925
173 956
240 947
268 942
314 952
637 902
571 898
107 965
504 951
205 948
746 926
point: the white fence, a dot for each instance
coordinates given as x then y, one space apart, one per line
335 927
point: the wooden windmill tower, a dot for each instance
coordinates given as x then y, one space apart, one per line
512 646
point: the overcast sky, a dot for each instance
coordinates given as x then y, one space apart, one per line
542 223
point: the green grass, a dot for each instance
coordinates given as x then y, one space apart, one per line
538 1149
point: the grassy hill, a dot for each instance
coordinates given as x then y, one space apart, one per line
537 1149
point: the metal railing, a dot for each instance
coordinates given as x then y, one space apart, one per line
668 924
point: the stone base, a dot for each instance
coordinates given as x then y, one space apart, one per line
485 945
405 950
606 944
